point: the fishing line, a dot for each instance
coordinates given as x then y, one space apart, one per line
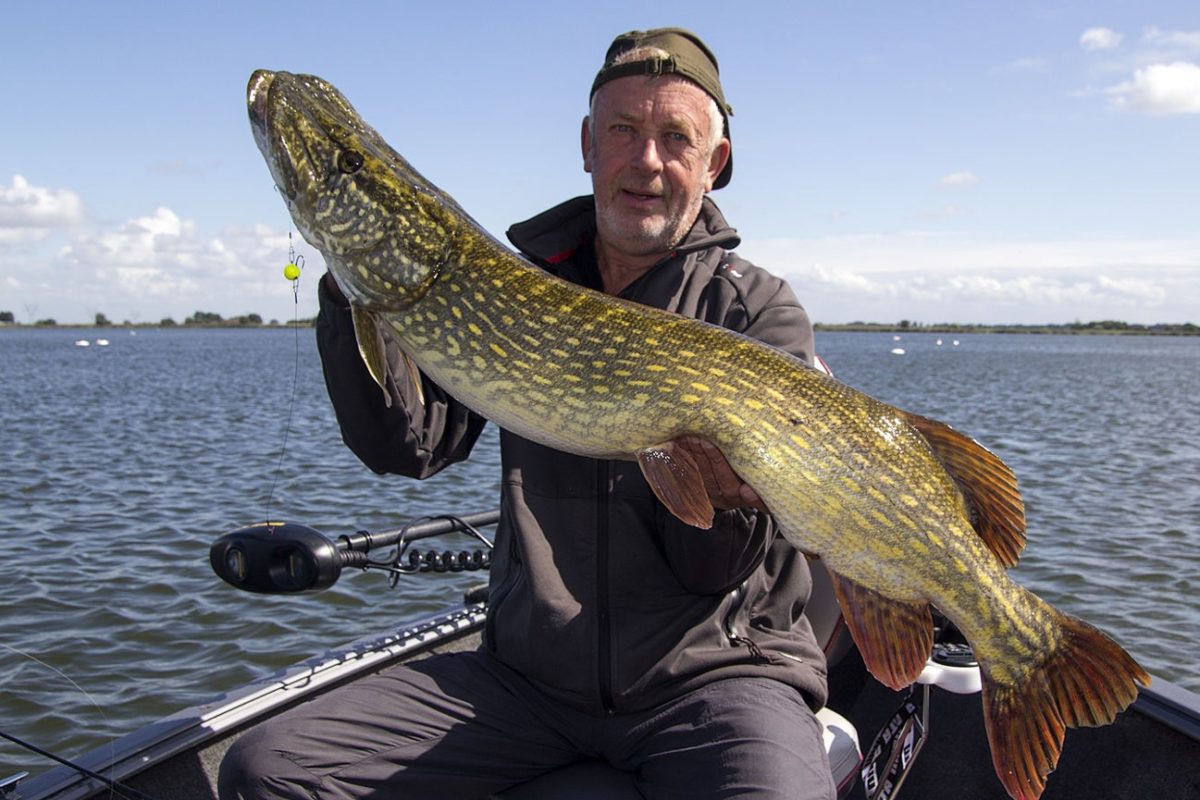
291 272
116 787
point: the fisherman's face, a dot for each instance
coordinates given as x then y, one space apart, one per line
648 151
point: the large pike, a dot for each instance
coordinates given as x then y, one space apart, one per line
904 511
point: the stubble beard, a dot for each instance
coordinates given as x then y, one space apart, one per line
647 235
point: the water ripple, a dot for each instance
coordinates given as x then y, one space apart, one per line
124 463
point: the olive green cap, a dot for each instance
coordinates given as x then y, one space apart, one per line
688 58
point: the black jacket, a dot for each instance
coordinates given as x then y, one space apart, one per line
599 595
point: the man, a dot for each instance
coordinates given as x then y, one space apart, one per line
614 630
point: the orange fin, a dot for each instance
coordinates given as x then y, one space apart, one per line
373 349
414 376
894 637
675 477
987 484
1086 681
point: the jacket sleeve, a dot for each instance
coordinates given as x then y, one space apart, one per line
408 438
717 560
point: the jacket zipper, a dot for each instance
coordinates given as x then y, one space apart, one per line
603 610
737 599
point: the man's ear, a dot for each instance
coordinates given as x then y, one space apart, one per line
717 163
585 141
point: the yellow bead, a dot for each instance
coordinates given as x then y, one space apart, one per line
291 272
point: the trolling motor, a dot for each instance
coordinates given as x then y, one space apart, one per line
289 558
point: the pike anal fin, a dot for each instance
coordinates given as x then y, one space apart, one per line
894 637
1085 681
675 477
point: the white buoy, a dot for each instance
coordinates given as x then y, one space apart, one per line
956 342
102 342
939 342
82 343
897 351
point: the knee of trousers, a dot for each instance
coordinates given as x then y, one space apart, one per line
254 770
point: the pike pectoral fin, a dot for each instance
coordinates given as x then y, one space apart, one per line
675 477
414 375
373 350
894 637
987 484
371 347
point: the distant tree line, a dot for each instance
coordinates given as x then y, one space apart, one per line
200 319
1102 327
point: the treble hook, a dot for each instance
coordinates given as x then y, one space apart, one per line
294 266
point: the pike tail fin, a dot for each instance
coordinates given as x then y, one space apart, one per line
1085 681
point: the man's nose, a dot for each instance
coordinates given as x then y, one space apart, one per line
647 156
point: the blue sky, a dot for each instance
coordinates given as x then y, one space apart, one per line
974 162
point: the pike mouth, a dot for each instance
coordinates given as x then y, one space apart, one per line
261 97
257 92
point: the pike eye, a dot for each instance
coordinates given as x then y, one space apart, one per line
350 162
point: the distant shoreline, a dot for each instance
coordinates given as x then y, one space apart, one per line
1105 328
228 324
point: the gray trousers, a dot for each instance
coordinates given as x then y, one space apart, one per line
462 725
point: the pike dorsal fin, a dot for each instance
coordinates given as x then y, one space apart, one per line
675 477
374 353
987 484
894 637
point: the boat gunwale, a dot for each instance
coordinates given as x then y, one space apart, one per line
195 726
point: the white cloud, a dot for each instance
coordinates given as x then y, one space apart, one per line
833 295
30 213
159 265
1160 89
1180 43
945 277
1149 291
1100 39
960 179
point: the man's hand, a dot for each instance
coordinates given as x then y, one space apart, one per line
725 489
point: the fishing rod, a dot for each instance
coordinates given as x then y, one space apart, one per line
289 558
8 786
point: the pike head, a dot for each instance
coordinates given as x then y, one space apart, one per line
384 230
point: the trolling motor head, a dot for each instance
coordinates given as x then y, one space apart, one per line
287 558
276 558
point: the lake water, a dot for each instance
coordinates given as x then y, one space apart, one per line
119 465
